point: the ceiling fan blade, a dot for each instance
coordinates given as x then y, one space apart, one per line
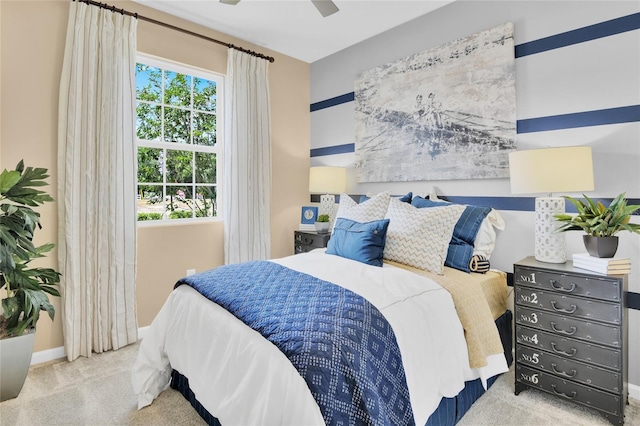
231 2
325 7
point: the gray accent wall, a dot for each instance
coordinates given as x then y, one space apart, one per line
593 75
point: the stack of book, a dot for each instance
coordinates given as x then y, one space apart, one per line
612 265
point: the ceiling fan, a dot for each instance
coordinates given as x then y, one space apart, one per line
325 7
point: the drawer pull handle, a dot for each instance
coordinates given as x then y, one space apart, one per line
566 311
564 373
561 352
573 394
568 333
560 288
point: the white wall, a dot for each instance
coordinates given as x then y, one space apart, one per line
589 76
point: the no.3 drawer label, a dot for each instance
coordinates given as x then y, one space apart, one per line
531 318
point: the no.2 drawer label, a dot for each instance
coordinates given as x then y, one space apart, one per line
529 298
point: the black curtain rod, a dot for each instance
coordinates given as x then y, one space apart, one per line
173 27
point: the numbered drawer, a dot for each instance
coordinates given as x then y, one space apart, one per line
569 348
568 390
569 305
314 240
575 285
569 369
569 327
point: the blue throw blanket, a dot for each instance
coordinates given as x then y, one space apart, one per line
340 343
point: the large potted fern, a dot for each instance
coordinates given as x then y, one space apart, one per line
600 223
27 288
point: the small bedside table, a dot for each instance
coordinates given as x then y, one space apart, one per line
571 335
305 241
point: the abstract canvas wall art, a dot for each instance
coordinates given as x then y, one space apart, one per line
445 113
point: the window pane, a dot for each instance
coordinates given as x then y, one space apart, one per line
148 122
176 125
179 166
148 83
177 89
150 205
204 129
205 167
150 162
204 94
179 202
206 201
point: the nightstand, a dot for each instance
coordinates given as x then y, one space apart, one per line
305 241
571 335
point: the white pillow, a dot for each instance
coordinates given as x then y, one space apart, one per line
373 209
420 237
485 240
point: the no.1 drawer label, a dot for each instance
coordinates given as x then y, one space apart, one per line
529 278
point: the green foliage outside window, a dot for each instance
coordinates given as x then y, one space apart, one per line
176 131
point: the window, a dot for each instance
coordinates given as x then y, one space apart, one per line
177 128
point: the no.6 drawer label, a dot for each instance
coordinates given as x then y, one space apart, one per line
531 378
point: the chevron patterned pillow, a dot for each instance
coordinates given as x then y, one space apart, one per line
373 209
420 237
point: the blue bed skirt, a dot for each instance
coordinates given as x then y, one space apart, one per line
448 413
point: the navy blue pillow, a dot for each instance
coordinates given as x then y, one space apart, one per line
363 242
464 233
405 198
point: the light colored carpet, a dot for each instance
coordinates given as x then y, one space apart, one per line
97 391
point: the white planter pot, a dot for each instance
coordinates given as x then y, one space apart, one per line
15 358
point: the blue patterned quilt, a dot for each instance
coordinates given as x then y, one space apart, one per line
340 343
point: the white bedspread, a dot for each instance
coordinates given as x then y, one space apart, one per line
241 378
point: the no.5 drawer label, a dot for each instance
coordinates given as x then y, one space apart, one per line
533 358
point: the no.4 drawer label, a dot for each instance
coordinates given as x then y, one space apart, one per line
529 339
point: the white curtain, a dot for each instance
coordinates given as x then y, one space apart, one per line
247 159
96 181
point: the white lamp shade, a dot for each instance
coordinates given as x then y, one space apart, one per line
327 180
565 169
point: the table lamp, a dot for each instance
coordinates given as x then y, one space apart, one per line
327 181
548 170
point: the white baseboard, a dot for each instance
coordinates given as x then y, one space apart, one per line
57 353
47 355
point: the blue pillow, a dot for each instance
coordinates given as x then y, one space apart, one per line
405 198
460 249
363 242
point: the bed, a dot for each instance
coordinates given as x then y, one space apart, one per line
450 336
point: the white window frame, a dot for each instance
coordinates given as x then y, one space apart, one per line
167 64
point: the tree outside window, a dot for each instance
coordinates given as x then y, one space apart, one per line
176 128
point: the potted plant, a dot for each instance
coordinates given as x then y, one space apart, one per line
26 287
600 223
322 224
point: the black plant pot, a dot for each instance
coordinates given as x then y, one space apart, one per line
600 246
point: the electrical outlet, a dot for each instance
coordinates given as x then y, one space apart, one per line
191 272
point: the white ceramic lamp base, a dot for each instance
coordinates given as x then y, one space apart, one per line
550 246
327 205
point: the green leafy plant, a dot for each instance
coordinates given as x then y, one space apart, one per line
323 218
26 287
597 220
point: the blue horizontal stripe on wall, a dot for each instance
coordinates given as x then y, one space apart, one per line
342 99
601 117
580 35
332 150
